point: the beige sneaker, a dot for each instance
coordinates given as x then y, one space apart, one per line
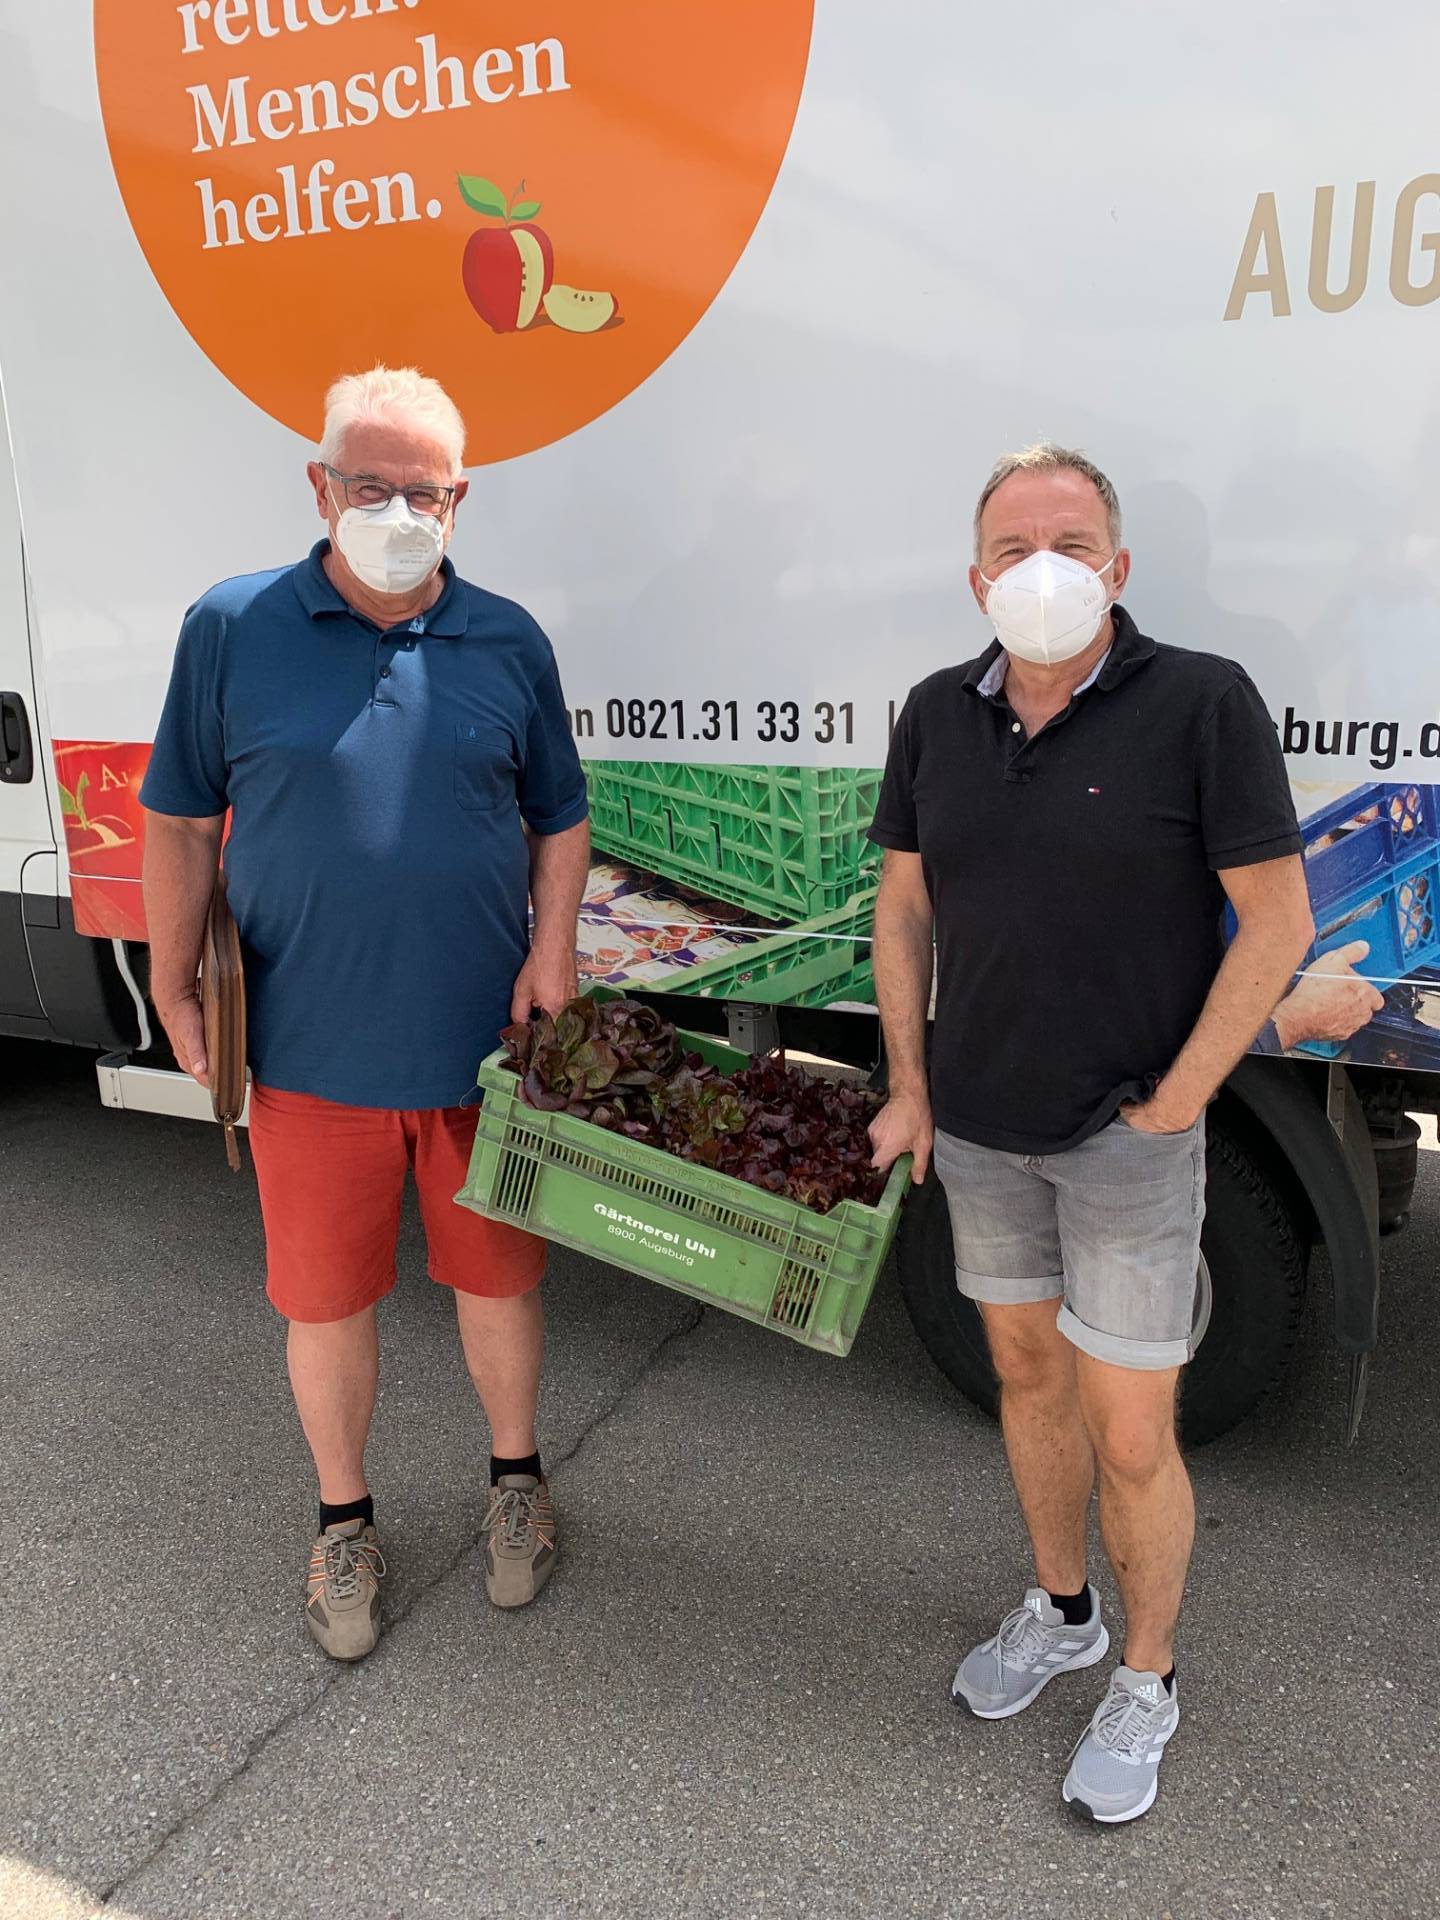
520 1539
342 1594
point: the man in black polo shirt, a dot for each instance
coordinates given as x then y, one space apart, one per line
1064 820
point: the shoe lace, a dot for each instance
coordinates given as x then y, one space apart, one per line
1124 1723
512 1513
346 1560
1020 1639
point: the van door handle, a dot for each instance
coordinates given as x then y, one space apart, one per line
17 750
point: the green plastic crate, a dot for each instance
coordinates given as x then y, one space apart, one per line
807 966
779 840
808 1275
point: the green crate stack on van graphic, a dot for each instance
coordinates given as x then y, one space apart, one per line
786 843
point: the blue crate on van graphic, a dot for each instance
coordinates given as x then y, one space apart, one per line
1409 1022
1372 864
1371 861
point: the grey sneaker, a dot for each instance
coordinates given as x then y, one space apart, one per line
1115 1768
1002 1676
520 1539
342 1594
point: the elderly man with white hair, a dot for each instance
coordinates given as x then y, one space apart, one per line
390 746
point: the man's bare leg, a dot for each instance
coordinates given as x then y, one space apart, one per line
1053 1471
334 1368
1147 1511
1050 1455
504 1342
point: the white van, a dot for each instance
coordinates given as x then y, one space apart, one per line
741 299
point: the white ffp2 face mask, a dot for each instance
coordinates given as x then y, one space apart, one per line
1047 608
390 548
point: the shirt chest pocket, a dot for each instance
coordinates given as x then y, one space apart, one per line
484 767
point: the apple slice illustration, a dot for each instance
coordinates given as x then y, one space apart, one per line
579 312
507 270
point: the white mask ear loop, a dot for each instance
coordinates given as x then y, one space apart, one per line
342 505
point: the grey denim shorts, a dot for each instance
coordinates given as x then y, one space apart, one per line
1110 1229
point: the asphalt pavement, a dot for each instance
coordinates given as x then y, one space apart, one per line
733 1698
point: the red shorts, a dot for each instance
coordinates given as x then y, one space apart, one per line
331 1179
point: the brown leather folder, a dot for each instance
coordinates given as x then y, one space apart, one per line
222 1005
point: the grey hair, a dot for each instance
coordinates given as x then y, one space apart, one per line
1046 457
392 396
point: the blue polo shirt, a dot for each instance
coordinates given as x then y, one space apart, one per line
379 784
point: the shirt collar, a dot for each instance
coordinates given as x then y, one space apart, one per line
446 620
1129 650
994 678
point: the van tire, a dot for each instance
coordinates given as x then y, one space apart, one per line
1257 1259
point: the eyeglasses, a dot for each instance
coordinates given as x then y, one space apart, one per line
369 493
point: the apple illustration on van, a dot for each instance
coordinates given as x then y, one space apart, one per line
509 270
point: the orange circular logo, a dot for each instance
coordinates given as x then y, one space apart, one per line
533 200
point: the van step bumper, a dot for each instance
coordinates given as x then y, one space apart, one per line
155 1090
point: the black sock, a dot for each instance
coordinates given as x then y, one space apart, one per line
498 1467
361 1510
1075 1608
1168 1680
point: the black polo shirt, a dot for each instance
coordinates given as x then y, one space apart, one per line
1073 875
